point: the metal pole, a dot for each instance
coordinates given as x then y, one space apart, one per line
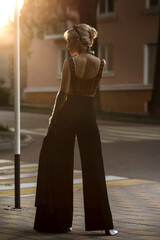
17 106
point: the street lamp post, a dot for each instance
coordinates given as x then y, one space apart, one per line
17 105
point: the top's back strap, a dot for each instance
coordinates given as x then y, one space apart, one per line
99 74
72 67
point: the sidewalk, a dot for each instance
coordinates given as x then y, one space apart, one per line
135 206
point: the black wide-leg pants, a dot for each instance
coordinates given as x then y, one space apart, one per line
54 193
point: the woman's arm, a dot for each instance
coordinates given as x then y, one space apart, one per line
105 64
65 77
62 94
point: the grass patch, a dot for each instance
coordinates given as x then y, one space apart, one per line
29 108
3 128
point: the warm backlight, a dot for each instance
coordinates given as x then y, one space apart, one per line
7 10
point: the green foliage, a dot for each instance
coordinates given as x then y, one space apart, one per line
3 128
39 16
4 93
35 14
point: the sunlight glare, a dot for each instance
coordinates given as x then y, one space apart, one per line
7 10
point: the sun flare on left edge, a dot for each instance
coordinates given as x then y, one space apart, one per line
7 10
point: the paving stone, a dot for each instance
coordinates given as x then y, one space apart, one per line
135 213
6 236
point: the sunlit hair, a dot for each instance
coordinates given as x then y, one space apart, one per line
84 32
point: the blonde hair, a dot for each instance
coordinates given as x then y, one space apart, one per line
85 32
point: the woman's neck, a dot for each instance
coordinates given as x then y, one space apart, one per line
83 51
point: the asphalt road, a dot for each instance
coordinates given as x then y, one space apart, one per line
129 149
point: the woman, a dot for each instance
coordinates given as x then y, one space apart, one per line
74 115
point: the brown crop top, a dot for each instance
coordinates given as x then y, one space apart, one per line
84 86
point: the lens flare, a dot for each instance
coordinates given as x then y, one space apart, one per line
7 10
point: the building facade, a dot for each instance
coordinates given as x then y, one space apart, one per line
127 37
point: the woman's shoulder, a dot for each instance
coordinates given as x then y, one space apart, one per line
97 59
89 59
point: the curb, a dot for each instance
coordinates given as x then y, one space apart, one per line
128 120
9 145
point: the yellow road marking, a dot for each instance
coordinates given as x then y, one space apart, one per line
22 191
124 182
32 190
79 186
128 182
77 175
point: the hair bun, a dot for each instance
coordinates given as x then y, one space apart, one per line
92 33
84 32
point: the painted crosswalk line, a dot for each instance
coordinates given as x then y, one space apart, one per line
120 133
110 134
28 179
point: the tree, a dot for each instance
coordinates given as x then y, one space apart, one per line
35 14
155 100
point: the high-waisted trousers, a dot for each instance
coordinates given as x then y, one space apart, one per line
54 192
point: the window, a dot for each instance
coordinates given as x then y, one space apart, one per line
62 55
150 62
152 3
106 6
106 52
56 28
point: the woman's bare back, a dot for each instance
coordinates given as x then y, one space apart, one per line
86 66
